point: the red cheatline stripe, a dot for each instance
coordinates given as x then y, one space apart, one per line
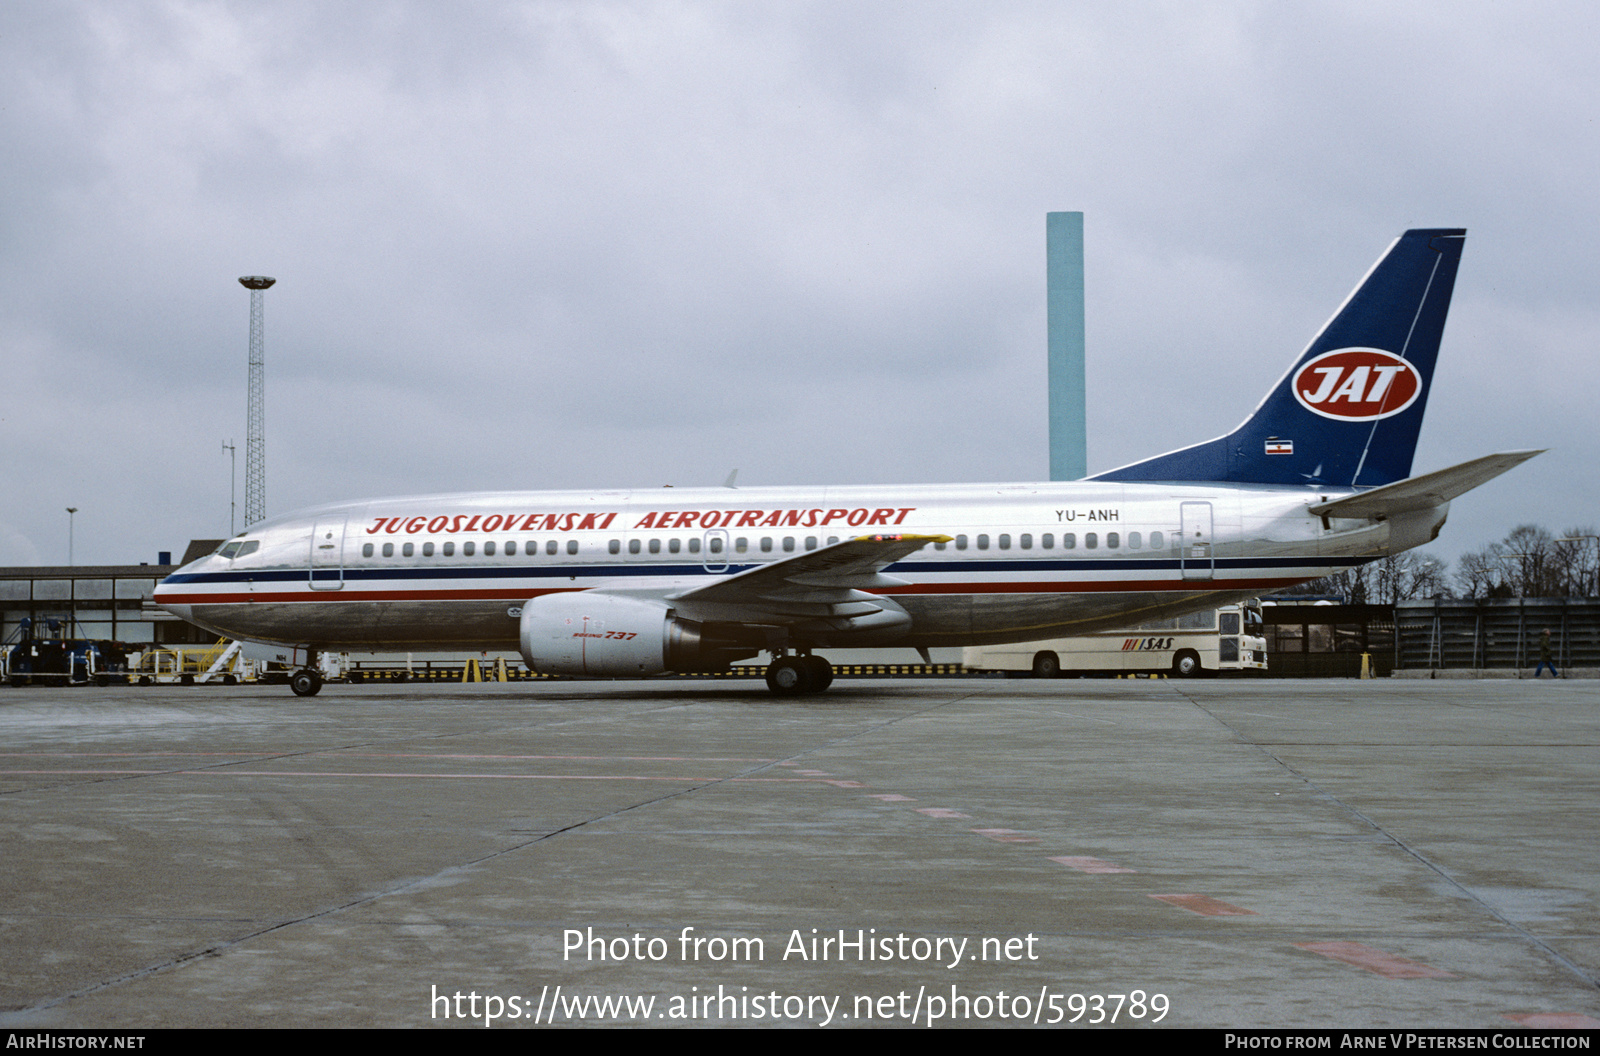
1205 905
524 593
1374 960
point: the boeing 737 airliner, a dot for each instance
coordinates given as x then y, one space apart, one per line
636 583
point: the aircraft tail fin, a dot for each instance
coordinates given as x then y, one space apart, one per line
1348 411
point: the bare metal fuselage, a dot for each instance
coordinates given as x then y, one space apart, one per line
1024 561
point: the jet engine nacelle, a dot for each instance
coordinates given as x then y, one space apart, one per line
594 633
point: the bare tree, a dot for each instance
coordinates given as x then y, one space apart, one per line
1579 552
1397 578
1480 574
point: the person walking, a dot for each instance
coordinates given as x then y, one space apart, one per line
1544 656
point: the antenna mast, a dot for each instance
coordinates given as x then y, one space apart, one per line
255 450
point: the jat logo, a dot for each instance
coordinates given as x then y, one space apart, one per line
1357 384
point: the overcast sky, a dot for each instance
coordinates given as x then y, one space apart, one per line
552 245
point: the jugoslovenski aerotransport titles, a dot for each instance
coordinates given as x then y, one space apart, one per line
627 584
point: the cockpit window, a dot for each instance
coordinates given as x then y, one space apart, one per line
239 548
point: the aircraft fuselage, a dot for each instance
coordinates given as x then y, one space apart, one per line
1023 561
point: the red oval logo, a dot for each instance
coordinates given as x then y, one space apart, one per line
1357 384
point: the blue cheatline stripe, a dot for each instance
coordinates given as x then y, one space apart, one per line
524 572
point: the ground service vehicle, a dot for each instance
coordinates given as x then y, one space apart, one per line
1196 643
53 658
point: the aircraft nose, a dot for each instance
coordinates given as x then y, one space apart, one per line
162 596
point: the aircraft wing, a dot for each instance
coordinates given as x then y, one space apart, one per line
1426 491
833 581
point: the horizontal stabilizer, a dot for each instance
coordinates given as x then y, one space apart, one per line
1424 492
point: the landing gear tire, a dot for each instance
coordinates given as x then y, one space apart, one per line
821 673
1187 665
1047 665
305 682
790 676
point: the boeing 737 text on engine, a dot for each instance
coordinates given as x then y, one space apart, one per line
636 583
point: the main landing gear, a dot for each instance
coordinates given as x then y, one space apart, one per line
793 676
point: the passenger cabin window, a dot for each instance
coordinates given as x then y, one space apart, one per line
674 545
1091 540
366 550
1069 540
1047 541
614 546
1113 540
1025 541
488 548
1155 540
407 550
655 546
694 546
388 549
633 546
511 548
468 549
572 546
449 549
983 542
1135 542
427 549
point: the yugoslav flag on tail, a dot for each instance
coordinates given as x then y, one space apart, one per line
1348 412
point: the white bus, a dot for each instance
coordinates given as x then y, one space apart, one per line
1225 639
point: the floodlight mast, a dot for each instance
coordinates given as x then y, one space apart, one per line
255 451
